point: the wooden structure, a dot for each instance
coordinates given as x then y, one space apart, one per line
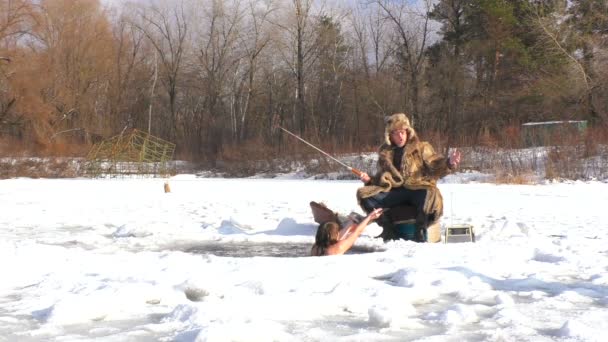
131 153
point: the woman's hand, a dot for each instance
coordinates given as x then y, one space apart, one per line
365 178
375 214
343 245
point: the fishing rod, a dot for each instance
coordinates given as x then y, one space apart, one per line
352 169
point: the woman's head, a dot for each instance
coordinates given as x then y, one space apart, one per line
327 234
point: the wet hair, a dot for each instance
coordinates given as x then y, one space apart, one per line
327 235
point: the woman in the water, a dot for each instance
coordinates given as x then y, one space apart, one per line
328 242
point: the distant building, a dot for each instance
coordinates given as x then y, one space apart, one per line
549 133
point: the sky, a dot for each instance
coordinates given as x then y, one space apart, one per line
121 260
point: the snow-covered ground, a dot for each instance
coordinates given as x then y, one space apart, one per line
114 260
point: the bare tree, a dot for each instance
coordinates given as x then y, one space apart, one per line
74 44
254 39
370 28
411 27
166 29
129 61
328 76
16 19
299 53
302 12
216 67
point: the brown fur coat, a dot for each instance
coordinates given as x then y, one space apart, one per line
421 168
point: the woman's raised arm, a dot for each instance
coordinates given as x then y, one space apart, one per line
342 246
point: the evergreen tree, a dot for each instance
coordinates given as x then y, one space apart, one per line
589 19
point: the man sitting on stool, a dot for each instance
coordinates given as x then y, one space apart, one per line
408 170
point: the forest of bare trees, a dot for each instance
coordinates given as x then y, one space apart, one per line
213 75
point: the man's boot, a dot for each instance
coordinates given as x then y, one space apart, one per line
388 228
421 227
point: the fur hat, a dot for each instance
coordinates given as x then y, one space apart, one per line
395 122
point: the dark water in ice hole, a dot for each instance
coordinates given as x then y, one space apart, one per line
265 249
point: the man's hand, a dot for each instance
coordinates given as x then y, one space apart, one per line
365 178
454 159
